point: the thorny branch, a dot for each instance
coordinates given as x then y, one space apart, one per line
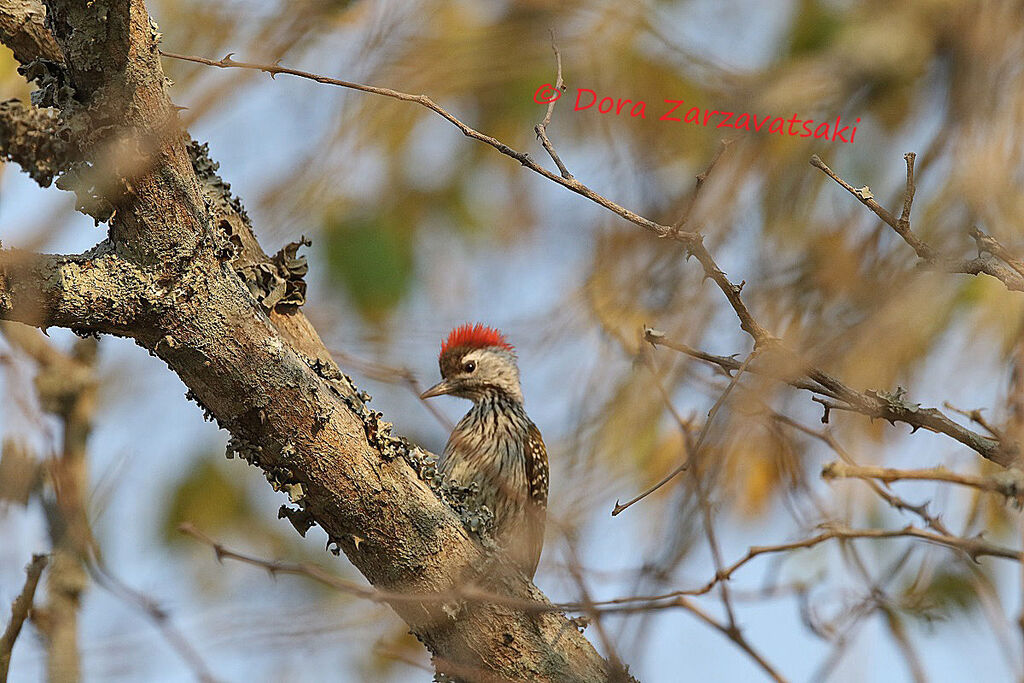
695 450
882 491
731 629
692 241
1004 267
832 394
20 609
701 179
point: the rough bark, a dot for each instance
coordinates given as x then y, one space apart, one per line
22 30
197 291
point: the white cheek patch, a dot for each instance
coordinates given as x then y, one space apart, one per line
496 368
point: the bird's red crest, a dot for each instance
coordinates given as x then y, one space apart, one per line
475 336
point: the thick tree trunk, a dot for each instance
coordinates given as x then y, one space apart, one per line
182 274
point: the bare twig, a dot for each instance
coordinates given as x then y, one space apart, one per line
908 193
880 490
728 364
973 547
619 507
1009 483
1011 274
542 128
322 576
424 101
701 179
976 417
732 633
902 225
20 609
834 395
991 245
692 241
310 571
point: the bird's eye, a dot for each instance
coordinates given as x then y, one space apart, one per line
469 366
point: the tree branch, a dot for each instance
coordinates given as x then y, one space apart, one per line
28 137
692 241
1009 483
1012 277
97 291
832 394
261 372
22 30
542 128
470 132
19 612
883 492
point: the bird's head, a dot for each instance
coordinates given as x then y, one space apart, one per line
477 362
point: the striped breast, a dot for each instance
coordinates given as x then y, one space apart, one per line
497 446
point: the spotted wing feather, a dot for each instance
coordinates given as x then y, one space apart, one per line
536 461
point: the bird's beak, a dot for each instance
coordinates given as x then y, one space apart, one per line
439 389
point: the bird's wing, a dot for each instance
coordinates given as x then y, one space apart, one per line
537 504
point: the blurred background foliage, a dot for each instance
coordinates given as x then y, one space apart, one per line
416 229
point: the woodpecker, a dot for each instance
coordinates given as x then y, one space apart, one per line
495 445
